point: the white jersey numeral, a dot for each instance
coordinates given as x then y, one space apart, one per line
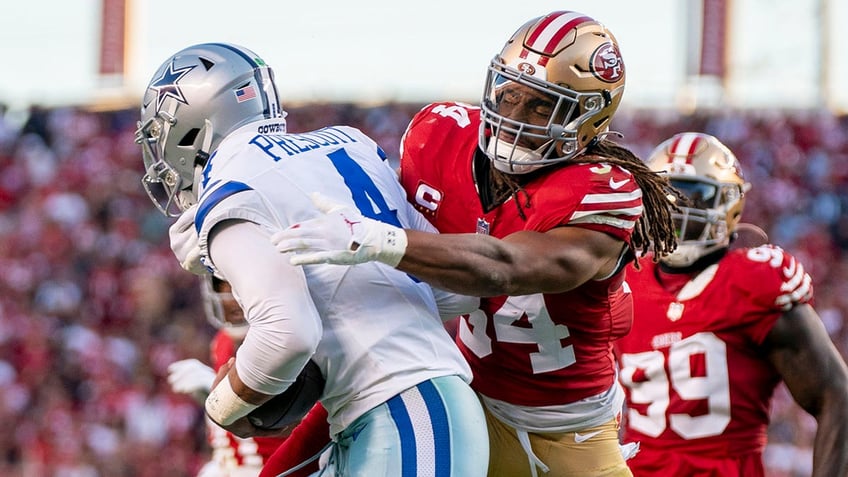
654 390
543 332
766 254
457 113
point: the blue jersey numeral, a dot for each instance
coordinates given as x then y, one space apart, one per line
367 197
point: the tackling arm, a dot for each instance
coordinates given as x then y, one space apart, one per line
816 375
524 262
521 263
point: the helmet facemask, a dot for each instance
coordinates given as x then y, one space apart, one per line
565 109
706 220
167 189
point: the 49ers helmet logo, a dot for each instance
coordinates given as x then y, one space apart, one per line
525 67
606 63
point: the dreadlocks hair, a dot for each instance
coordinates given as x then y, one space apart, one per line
655 229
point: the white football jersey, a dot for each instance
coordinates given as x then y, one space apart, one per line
381 330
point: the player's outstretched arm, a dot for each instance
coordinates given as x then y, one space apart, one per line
471 264
817 376
522 263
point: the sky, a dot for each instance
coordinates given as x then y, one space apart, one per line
380 50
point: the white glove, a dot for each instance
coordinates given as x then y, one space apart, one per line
185 242
342 236
190 376
212 469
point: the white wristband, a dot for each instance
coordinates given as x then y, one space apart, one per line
393 246
224 406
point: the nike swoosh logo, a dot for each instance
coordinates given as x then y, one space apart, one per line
617 185
579 438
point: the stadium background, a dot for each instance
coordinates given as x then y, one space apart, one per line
92 305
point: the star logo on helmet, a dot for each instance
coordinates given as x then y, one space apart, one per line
166 85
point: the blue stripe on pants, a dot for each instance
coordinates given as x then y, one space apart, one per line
441 430
399 413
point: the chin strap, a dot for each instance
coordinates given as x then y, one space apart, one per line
203 153
697 265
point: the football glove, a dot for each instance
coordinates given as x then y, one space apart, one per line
186 244
341 235
190 376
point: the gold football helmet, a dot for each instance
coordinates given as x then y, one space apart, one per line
572 69
709 176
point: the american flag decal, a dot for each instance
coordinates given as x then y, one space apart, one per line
482 226
245 93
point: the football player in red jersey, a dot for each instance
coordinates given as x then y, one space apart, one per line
716 329
232 456
539 213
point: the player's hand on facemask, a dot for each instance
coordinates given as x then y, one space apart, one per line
186 244
341 235
190 376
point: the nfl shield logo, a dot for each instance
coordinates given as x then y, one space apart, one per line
675 311
482 226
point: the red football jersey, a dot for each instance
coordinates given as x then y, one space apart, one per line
252 451
532 350
696 380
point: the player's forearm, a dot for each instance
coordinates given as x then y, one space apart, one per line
462 263
830 457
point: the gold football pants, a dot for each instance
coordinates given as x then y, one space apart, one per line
592 452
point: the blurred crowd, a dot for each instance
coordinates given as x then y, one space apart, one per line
93 306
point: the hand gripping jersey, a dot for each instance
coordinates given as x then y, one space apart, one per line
229 451
373 345
695 378
540 349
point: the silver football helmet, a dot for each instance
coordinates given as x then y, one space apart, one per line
197 97
565 69
222 310
709 176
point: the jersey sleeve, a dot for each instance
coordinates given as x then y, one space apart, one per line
436 117
779 281
436 127
767 281
593 196
232 200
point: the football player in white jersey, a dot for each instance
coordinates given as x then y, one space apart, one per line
216 152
